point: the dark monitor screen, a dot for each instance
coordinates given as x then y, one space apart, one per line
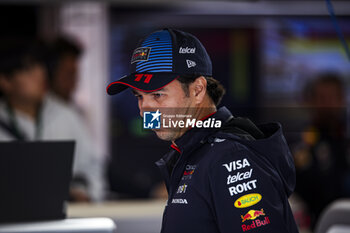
34 180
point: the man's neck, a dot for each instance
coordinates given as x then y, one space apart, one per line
205 112
62 97
27 108
202 112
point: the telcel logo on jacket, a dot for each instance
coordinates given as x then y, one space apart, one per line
248 200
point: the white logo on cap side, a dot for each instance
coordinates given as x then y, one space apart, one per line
187 50
190 63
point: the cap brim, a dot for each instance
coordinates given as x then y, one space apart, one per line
144 82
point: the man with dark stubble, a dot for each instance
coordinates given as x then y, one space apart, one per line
223 173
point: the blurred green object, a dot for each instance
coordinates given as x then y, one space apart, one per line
136 127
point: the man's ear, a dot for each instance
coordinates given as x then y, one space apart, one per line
198 89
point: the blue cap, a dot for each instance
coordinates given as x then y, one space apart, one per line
160 58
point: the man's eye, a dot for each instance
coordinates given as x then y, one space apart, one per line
157 95
138 96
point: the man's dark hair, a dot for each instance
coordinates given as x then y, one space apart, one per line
215 89
61 47
16 55
19 54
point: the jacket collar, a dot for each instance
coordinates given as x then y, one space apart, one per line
195 136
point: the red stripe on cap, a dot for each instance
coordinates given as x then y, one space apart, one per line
127 84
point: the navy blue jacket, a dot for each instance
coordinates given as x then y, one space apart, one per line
234 179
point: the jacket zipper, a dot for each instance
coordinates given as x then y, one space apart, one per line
171 193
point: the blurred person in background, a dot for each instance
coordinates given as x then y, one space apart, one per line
63 67
27 113
322 155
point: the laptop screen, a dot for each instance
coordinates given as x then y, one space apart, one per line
34 179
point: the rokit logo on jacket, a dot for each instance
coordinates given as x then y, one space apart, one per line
240 188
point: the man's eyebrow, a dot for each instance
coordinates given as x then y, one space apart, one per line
135 92
163 89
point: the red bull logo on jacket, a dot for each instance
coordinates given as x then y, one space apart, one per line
252 215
